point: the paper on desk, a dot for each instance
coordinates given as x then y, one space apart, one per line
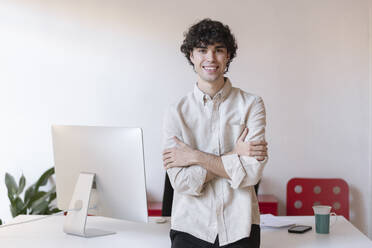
269 220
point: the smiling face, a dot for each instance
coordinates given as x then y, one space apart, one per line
210 62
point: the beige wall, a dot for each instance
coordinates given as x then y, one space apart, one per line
118 63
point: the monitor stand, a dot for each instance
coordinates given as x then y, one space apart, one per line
76 219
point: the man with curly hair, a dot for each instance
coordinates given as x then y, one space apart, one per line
215 149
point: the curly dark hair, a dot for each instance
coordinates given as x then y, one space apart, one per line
208 32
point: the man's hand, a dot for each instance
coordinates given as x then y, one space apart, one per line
180 156
256 149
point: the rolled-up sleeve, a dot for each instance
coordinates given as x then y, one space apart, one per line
185 180
245 170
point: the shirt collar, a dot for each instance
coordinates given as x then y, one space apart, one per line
223 93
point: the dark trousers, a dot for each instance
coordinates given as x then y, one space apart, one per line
185 240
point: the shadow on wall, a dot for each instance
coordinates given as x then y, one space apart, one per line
267 184
356 206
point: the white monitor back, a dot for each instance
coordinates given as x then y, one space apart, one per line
115 155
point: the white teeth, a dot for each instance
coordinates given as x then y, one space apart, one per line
210 68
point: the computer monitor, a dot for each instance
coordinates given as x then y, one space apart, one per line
103 163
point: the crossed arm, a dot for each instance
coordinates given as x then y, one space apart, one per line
183 156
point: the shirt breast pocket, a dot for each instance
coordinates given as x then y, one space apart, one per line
231 135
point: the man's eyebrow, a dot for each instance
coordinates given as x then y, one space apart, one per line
204 46
221 46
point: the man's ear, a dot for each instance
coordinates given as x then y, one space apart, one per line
192 57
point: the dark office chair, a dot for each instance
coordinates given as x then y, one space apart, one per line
166 209
168 196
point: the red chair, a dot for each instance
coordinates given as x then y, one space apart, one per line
303 193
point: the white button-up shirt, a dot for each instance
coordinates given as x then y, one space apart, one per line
223 207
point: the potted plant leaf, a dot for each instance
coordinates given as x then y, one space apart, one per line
35 200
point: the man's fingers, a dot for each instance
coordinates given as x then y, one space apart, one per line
258 143
166 151
258 153
178 141
170 165
243 135
166 156
167 161
167 166
258 148
260 158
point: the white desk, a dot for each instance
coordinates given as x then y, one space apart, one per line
48 233
342 234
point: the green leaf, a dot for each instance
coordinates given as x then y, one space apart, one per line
11 198
17 207
21 184
40 207
44 178
13 210
42 199
21 208
54 210
29 194
51 210
1 222
37 196
11 184
19 203
52 197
